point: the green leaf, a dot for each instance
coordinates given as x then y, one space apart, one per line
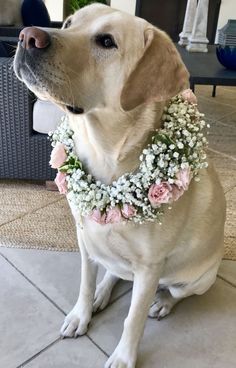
71 164
78 4
164 139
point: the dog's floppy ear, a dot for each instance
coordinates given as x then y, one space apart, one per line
158 75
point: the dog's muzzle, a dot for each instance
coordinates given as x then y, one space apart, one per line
30 62
33 42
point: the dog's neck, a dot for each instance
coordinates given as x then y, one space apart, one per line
109 142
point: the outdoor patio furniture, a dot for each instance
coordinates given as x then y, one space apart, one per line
204 68
24 153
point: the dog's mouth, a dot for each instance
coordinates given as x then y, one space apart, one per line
41 88
39 80
74 109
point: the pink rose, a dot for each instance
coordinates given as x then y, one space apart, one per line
183 178
61 183
189 96
159 193
98 217
113 215
128 211
176 192
58 156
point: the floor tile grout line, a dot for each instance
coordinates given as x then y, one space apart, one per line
46 296
97 346
58 339
108 306
220 103
120 296
29 213
90 338
38 353
228 282
56 306
33 284
222 153
222 123
225 116
213 120
54 343
210 99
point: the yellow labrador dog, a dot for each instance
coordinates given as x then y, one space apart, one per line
113 74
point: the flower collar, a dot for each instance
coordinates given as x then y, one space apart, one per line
167 165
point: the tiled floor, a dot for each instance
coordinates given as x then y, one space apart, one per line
38 288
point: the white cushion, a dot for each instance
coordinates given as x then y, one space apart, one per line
46 116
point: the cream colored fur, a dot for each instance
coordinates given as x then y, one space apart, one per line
123 92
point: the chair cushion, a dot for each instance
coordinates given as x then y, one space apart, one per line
46 116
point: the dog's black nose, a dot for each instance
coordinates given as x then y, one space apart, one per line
32 37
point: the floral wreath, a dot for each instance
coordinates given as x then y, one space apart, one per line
167 165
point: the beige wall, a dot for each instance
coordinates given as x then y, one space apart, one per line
55 9
227 11
125 5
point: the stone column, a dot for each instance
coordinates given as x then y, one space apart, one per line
198 40
188 22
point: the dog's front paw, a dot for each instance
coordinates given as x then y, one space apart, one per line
75 324
120 360
162 304
102 297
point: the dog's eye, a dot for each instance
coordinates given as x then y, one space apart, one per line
67 24
106 41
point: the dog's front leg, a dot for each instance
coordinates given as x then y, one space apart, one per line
76 322
103 291
144 288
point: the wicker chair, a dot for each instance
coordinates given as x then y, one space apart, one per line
24 153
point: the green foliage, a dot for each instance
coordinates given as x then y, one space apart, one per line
163 138
77 4
71 164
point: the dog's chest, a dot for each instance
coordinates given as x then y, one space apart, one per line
108 246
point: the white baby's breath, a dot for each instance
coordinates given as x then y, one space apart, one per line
180 144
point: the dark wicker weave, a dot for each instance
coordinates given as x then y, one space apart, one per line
24 153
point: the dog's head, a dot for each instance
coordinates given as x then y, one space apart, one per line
101 57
